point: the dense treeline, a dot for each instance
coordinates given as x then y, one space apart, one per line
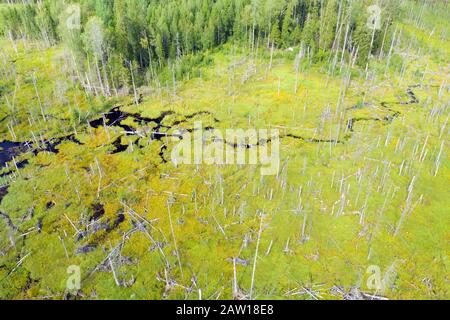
117 38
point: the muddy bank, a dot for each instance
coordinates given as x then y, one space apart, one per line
3 192
8 221
11 150
152 129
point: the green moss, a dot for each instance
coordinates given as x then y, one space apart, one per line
332 211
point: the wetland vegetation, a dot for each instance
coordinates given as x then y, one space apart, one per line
94 96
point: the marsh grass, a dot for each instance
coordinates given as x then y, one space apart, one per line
378 198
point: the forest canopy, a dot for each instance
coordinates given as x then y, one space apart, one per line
143 36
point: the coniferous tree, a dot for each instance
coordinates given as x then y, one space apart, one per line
328 24
153 33
275 34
